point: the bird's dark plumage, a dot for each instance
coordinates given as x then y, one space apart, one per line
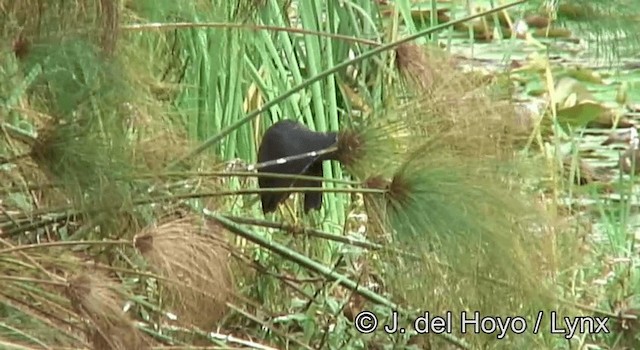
288 138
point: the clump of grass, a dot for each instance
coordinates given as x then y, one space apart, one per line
91 172
82 144
81 160
371 146
158 151
445 105
435 195
415 66
475 241
193 257
91 143
470 113
30 298
98 301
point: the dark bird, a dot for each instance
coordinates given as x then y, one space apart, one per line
288 138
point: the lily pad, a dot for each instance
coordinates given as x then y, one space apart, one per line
581 114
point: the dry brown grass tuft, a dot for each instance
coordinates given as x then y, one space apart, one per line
464 111
350 146
415 65
158 151
193 256
29 18
158 146
98 301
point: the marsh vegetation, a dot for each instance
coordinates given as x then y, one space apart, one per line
475 168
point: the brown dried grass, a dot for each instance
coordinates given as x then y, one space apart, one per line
413 63
159 150
457 107
158 146
98 300
193 257
33 18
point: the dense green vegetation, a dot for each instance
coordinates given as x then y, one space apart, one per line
130 218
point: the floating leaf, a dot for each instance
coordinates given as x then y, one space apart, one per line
581 114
